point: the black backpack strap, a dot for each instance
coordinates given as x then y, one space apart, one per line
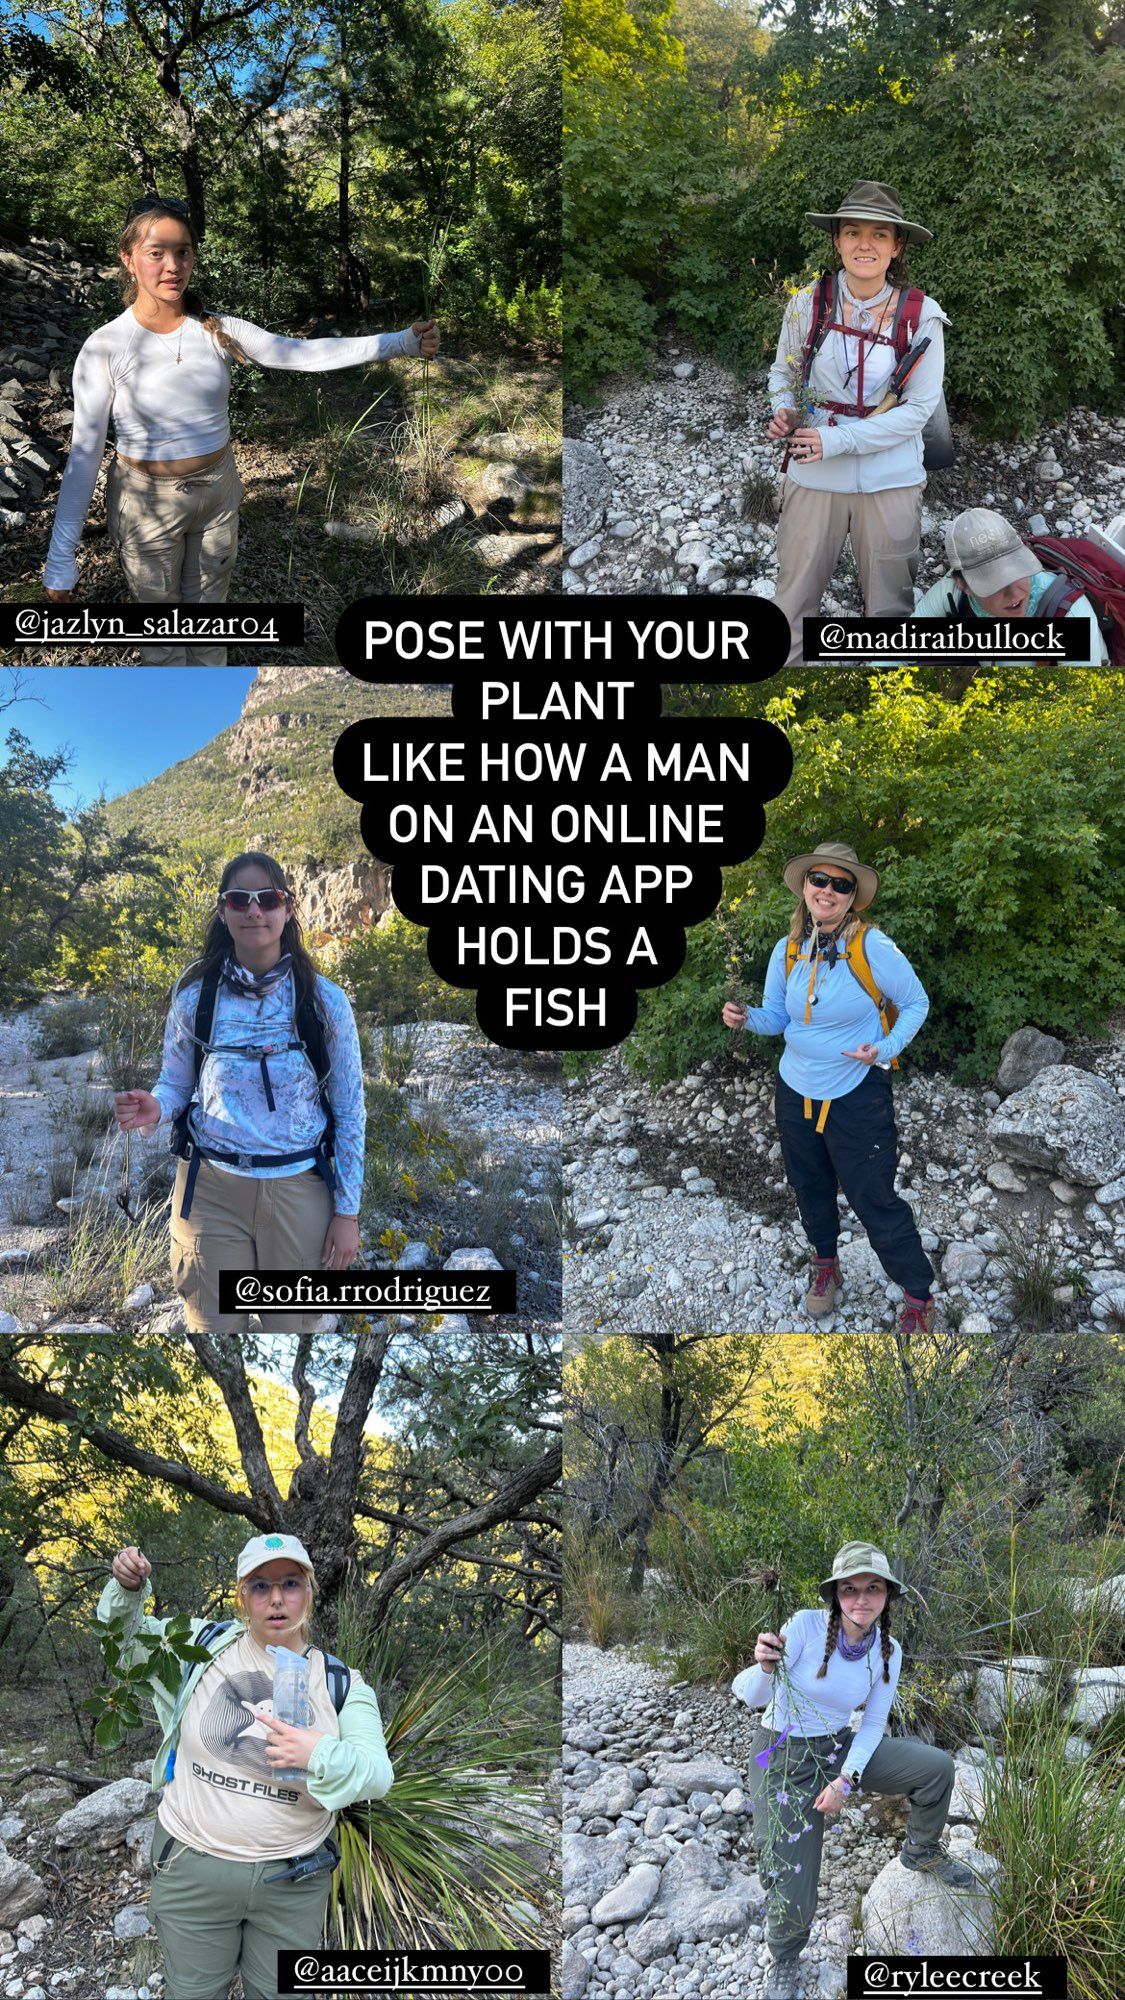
206 1636
309 1023
205 1016
339 1678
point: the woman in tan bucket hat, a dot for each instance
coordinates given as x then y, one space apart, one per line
808 1760
853 468
847 1003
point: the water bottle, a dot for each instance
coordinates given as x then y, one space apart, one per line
290 1699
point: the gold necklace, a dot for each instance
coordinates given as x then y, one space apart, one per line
166 337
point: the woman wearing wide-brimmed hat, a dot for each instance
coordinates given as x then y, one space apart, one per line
242 1850
807 1760
853 468
832 986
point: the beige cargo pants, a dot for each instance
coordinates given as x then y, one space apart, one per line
885 534
177 540
239 1222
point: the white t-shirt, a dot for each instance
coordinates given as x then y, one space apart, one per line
168 408
223 1797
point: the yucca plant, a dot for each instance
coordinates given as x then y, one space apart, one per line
453 1857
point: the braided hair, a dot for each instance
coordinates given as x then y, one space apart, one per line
834 1633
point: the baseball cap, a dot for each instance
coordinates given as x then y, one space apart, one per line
988 551
271 1548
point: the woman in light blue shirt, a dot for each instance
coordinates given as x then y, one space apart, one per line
262 1088
847 1003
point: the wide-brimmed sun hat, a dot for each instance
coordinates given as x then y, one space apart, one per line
987 551
272 1548
872 201
833 854
859 1559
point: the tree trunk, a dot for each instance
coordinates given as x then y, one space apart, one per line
343 225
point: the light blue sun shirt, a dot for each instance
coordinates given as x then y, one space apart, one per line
842 1016
231 1113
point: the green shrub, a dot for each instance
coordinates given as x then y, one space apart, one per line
67 1028
387 971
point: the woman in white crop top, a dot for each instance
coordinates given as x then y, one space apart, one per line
161 370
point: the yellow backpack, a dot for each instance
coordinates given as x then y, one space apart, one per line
855 958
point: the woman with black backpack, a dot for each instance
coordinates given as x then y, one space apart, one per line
262 1087
243 1848
856 379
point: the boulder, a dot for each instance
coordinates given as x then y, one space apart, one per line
1098 1693
131 1922
1064 1121
591 1867
1022 1057
701 1774
701 1896
1010 1685
104 1817
611 1794
587 491
575 1973
656 1938
22 1891
629 1900
962 1264
905 1911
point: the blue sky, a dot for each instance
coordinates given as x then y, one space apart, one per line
123 724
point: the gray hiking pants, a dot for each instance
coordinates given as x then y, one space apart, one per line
789 1835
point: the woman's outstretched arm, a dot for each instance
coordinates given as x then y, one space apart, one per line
315 357
92 397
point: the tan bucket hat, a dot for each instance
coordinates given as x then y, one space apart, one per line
872 201
860 1559
830 854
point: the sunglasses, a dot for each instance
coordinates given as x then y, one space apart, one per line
820 880
149 201
244 899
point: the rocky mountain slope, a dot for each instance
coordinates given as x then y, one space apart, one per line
267 782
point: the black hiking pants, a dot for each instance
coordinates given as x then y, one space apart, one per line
857 1151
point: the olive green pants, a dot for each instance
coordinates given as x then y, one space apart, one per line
789 1833
885 533
215 1918
177 540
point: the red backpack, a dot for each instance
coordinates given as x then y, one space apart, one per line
1084 568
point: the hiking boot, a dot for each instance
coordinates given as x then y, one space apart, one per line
934 1860
784 1982
917 1315
826 1281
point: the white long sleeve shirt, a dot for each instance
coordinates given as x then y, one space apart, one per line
231 1113
164 408
808 1707
861 454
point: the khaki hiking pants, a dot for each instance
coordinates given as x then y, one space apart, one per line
789 1835
239 1222
885 534
215 1918
177 540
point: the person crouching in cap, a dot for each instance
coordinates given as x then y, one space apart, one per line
852 469
807 1759
242 1851
993 574
830 987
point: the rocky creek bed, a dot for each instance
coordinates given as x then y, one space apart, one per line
678 1211
669 485
662 1900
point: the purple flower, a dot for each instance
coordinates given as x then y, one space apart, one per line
831 1759
796 1868
914 1942
783 1798
763 1757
